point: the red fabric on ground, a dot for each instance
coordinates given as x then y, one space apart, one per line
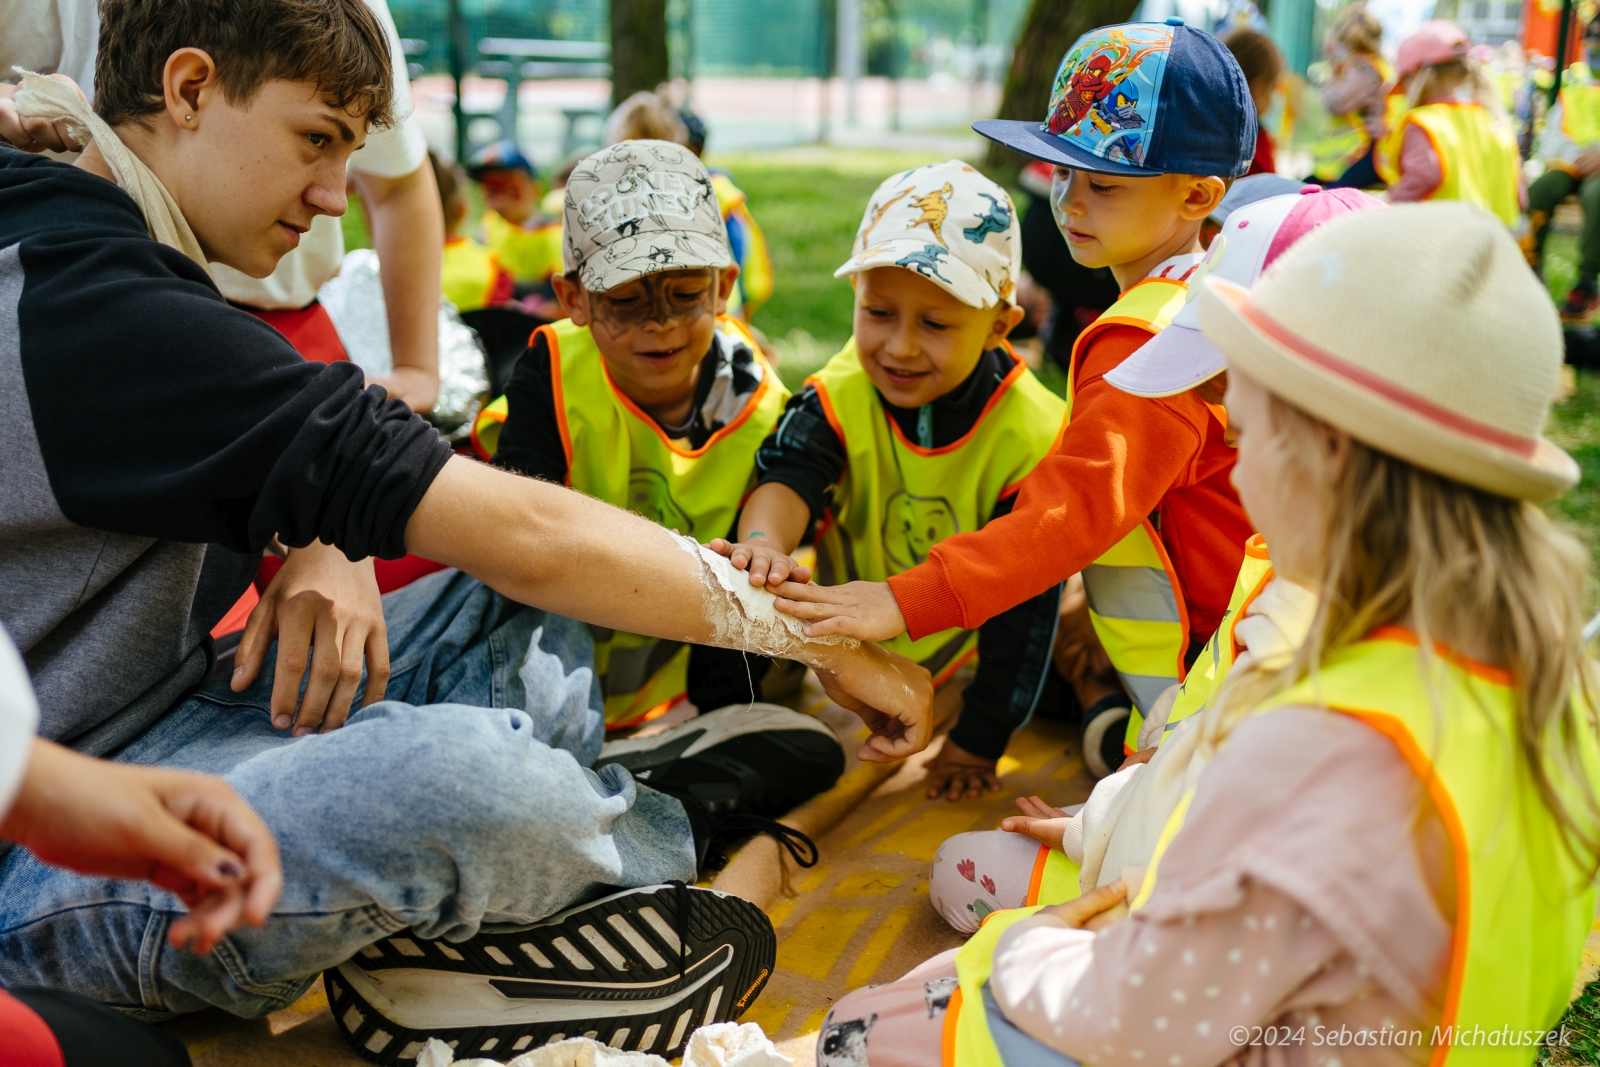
1121 459
25 1040
310 330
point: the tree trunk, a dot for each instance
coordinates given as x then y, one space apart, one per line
1051 28
638 47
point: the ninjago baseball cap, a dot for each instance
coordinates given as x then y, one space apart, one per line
1142 99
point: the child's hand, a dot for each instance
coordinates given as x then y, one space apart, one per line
1038 809
866 611
1045 831
1095 909
767 566
957 773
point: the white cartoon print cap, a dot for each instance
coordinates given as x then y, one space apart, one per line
948 223
639 207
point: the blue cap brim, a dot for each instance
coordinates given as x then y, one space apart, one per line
1031 141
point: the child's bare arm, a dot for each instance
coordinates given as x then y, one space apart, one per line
770 526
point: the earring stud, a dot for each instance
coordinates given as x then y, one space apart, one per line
188 118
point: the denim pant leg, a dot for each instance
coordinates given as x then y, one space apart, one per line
438 817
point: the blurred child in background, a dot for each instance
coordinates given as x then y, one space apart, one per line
1569 147
1454 141
1262 64
527 241
1357 99
473 276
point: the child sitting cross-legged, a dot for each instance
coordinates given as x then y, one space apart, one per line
1392 847
920 428
648 397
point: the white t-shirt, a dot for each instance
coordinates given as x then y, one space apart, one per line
61 36
19 717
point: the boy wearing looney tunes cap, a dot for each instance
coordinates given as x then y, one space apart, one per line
920 428
1148 124
649 396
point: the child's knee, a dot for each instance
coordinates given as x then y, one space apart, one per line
981 872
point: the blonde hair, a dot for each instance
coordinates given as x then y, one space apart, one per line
1358 31
644 116
1405 545
1483 90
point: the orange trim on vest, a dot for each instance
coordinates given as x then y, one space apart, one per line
1244 608
1256 547
947 1039
1422 767
1406 636
953 666
557 393
1036 879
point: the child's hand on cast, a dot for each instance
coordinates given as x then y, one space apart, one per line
866 611
767 566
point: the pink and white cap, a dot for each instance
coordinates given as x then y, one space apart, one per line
1251 239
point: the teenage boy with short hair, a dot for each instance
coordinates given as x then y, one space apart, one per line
155 439
1148 125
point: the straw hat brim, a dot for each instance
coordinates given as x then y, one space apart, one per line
1380 414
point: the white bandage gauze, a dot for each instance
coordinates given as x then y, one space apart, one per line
52 101
745 615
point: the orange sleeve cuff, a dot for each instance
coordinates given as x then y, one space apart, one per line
926 599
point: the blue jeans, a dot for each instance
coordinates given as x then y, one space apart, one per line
463 798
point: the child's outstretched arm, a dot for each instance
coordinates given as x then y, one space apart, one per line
770 526
864 610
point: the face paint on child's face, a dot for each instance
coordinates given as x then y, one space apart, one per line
654 331
1109 220
251 179
916 341
1283 504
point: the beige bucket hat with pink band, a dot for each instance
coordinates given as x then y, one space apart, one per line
1420 331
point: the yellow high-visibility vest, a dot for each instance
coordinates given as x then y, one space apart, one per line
619 454
1523 904
530 253
1580 114
897 500
1348 138
1478 161
468 272
756 276
1135 602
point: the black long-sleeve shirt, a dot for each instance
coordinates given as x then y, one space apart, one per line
805 454
141 420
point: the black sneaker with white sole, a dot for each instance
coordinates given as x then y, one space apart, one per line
737 770
1105 727
639 970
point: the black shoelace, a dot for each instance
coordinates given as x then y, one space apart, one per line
800 847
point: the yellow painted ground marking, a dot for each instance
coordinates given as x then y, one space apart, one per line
781 911
1069 769
877 950
316 1000
814 877
867 884
200 1048
769 1011
921 837
882 822
1029 752
817 942
813 1025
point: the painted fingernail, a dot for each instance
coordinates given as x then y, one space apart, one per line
230 870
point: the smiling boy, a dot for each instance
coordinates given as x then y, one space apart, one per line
1148 124
922 427
648 396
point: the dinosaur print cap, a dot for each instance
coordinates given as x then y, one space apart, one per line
948 223
640 207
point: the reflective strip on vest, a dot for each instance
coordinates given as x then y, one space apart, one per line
1523 905
1203 679
896 500
1134 601
1478 161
